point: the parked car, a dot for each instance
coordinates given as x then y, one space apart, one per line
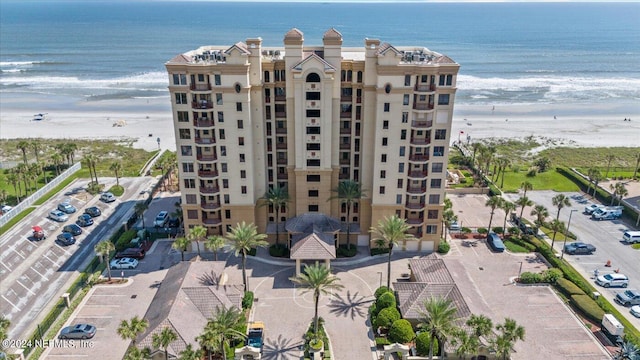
615 279
135 253
591 208
123 263
495 242
255 335
579 248
58 216
635 311
65 239
38 233
526 228
84 220
161 219
607 213
67 208
74 229
5 209
631 237
93 211
107 197
455 226
173 222
79 331
628 298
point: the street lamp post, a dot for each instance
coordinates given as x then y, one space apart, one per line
380 283
566 231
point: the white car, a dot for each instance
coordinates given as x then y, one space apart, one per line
635 311
124 263
455 226
161 219
58 216
108 197
615 279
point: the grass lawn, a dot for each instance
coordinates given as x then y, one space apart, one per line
624 158
549 180
513 247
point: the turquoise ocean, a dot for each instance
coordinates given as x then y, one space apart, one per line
510 53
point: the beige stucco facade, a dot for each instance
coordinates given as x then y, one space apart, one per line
305 117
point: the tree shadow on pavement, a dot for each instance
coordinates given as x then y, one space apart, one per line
352 306
281 349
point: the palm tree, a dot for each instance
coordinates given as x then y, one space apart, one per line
541 213
224 327
627 351
558 227
635 169
317 278
139 209
503 164
132 328
448 216
614 192
13 179
526 186
23 145
438 319
242 238
189 354
609 158
508 207
198 233
510 333
493 203
476 147
116 167
560 201
91 161
481 325
465 344
57 159
163 339
36 145
348 192
4 327
209 340
276 197
622 191
181 243
215 243
104 249
523 202
390 232
592 174
133 353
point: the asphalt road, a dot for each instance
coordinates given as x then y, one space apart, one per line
36 273
605 235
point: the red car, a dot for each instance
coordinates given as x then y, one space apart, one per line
38 233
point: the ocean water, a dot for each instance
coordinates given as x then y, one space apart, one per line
510 53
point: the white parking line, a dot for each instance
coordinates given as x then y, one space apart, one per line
8 268
14 250
94 295
94 317
99 305
29 290
66 355
61 248
10 303
37 272
48 258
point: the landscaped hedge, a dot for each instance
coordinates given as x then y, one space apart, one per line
247 300
423 341
279 251
527 245
343 251
386 317
378 251
401 331
386 300
381 290
443 247
568 288
125 239
588 306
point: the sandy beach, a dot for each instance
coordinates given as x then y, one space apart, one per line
146 120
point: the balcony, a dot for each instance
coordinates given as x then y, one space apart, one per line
422 124
415 221
210 205
419 157
418 174
345 161
205 140
281 114
414 206
200 87
283 176
280 97
281 130
425 87
281 146
202 104
418 106
345 130
345 145
416 141
281 161
203 123
345 114
212 221
346 98
343 176
416 190
209 190
207 173
206 157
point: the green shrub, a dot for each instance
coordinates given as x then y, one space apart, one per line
551 275
386 317
247 300
423 341
94 188
386 300
381 290
530 278
252 252
279 251
498 230
378 251
125 239
117 190
568 288
588 307
382 341
343 251
401 331
482 231
443 247
636 246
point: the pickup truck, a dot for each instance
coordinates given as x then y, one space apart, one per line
255 335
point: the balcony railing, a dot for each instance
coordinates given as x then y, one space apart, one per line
207 173
425 87
345 161
418 174
284 176
209 190
343 176
346 98
201 87
415 221
416 190
418 157
422 124
205 140
281 114
417 106
345 114
281 130
345 130
212 221
203 122
409 205
202 104
281 161
415 141
210 205
281 145
345 146
281 97
206 157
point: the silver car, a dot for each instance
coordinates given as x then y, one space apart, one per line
79 331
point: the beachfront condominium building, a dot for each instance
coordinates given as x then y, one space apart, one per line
304 118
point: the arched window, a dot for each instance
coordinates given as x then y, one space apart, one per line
313 77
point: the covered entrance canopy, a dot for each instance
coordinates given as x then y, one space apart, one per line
313 237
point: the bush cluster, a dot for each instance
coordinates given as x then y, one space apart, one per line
378 251
343 251
279 251
548 276
401 331
386 317
247 300
588 306
124 240
386 300
423 341
568 288
443 247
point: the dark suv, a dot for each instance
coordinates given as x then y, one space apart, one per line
134 253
